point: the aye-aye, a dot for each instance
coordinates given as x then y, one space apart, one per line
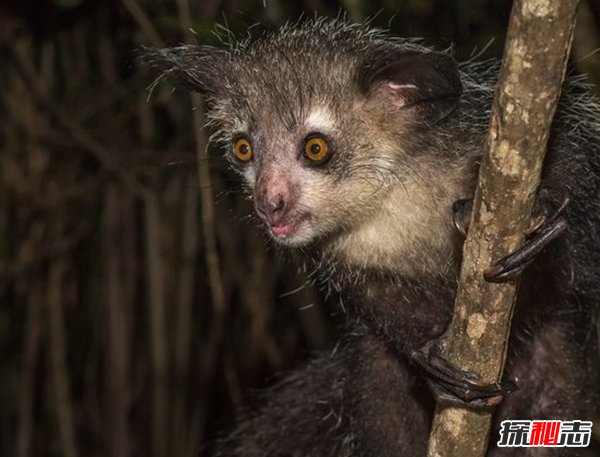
354 146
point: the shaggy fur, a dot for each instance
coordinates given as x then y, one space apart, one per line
407 128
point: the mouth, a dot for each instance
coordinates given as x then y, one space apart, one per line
291 231
283 230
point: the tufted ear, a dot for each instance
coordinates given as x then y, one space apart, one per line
194 68
429 82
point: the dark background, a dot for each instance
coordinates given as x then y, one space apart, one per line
139 304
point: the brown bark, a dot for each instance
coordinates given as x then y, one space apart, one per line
535 57
117 357
31 353
58 360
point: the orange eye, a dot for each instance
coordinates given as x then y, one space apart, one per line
243 150
316 149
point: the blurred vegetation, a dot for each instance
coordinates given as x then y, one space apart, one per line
139 304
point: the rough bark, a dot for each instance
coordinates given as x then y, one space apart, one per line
535 57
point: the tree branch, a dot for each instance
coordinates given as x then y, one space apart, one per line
535 57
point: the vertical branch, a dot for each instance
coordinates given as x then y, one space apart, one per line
183 318
58 359
116 278
117 357
31 353
156 300
18 102
535 58
158 341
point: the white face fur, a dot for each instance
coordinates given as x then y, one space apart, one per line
285 169
383 216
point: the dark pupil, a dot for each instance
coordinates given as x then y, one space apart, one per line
244 149
315 148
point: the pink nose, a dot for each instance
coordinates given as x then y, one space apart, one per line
272 198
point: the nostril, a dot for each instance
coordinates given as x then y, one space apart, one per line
270 208
278 204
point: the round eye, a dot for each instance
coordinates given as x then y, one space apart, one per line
316 149
243 150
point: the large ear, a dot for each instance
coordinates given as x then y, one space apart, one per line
429 82
194 68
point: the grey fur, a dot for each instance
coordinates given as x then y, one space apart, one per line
366 398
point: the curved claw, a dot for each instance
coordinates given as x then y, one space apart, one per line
461 214
538 221
541 231
452 386
536 224
510 267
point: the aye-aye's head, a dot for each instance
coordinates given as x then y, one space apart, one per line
325 122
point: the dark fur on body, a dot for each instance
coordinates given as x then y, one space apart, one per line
379 232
